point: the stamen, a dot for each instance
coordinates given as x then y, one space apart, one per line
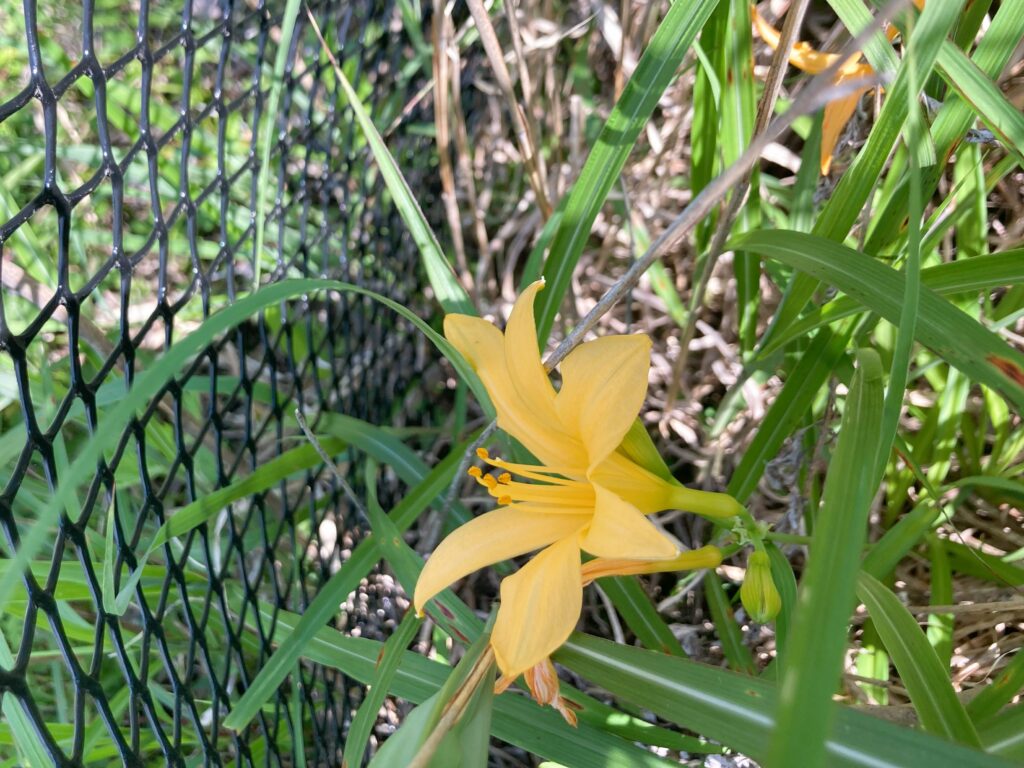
543 474
548 487
576 495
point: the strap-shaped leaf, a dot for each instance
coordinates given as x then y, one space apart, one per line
817 641
654 72
953 335
742 712
920 670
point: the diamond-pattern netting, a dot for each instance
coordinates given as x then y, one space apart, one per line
130 147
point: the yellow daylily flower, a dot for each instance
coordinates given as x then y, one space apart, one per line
584 496
839 111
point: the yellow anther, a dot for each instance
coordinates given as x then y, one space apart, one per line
483 454
504 500
505 478
489 481
475 472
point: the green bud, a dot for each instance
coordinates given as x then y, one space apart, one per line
758 594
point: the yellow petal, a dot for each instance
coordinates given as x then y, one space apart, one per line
522 354
628 480
604 383
837 115
483 346
498 535
802 56
529 378
540 605
599 567
620 530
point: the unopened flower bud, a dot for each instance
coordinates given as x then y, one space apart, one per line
758 594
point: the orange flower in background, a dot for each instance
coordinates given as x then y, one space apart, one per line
839 111
585 495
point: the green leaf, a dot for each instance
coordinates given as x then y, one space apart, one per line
856 184
516 719
976 274
23 733
110 598
633 728
402 746
982 565
988 102
465 746
954 118
914 135
1004 734
163 371
922 674
940 625
366 716
267 134
742 712
817 640
737 129
336 590
950 333
446 285
785 581
999 692
631 601
264 477
738 655
654 72
810 372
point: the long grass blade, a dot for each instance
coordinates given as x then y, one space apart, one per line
743 712
817 639
852 192
953 335
655 70
920 670
946 279
517 720
366 715
267 135
334 591
446 285
163 371
985 98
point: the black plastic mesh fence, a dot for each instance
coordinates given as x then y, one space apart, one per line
129 166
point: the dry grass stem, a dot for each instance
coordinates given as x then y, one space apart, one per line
818 91
520 121
765 109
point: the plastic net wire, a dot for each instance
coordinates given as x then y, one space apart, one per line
130 146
